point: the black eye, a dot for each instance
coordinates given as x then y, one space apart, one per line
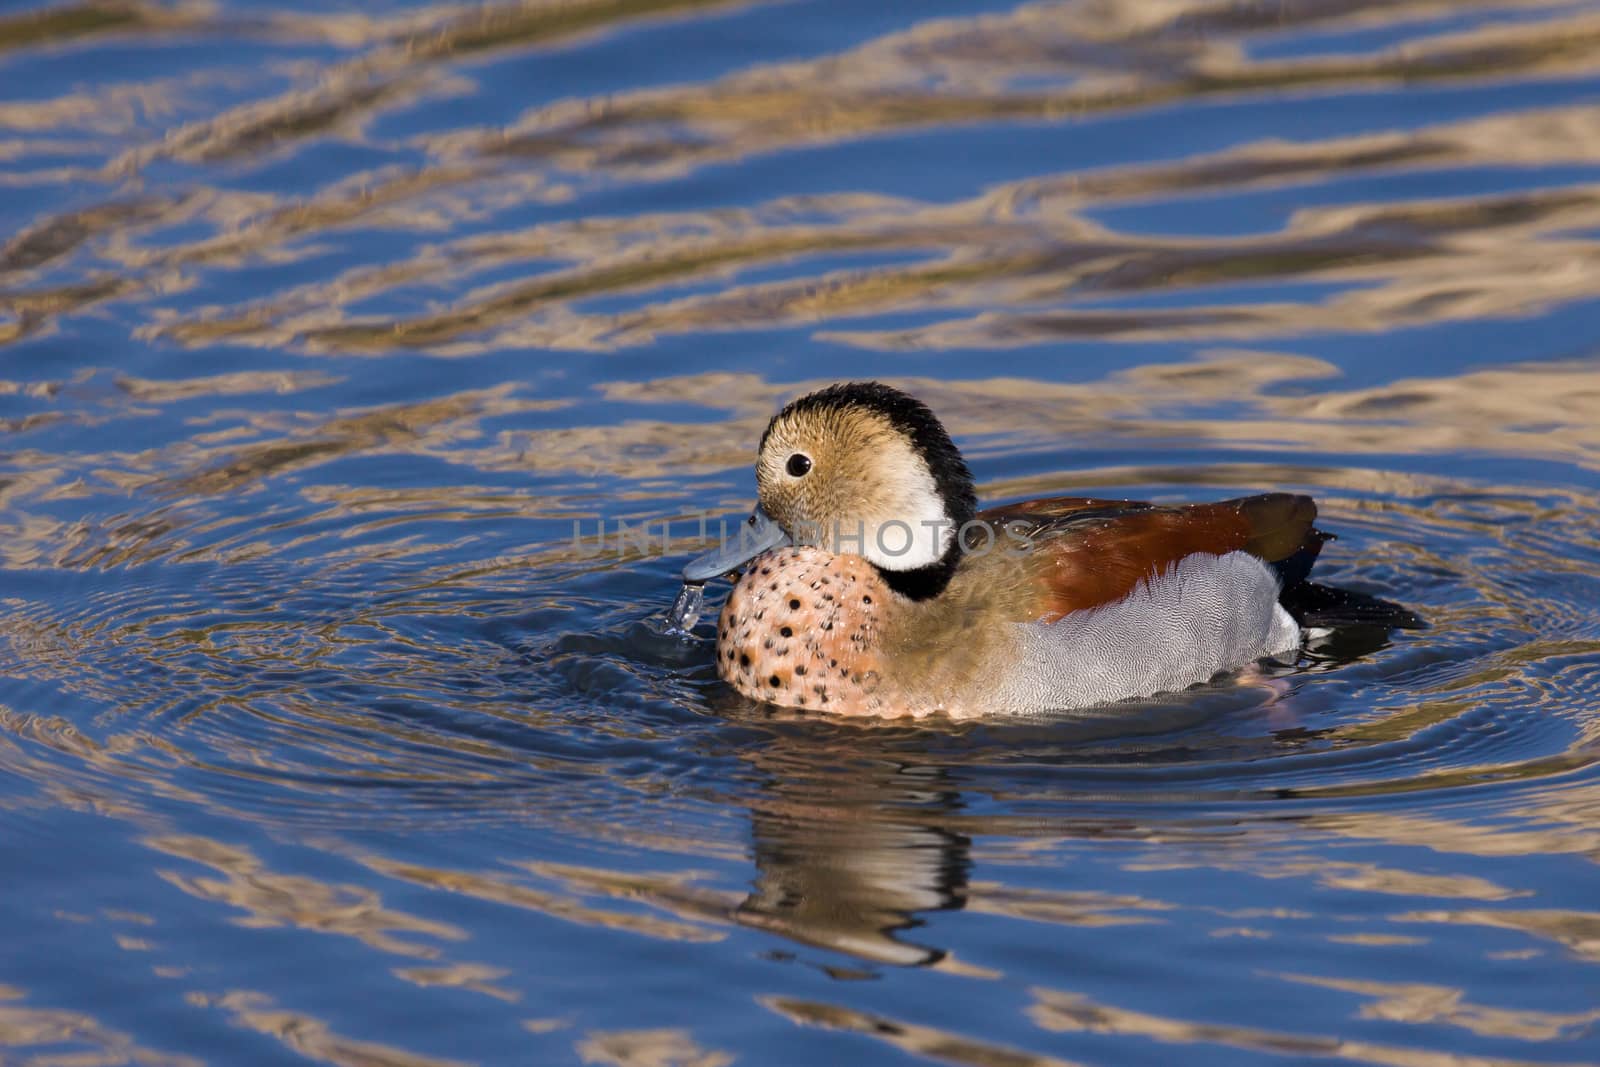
799 463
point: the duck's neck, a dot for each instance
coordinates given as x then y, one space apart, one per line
924 583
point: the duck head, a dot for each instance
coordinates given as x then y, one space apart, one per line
858 469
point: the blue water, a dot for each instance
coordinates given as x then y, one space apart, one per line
337 345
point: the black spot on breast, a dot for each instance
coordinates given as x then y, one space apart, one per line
744 659
800 669
787 631
767 643
866 599
794 605
774 681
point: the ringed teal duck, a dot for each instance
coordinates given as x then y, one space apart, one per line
873 585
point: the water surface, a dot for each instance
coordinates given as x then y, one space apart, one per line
343 355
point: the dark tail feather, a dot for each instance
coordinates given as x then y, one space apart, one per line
1293 569
1314 605
1350 624
1329 606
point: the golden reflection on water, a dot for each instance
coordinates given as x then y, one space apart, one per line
649 1048
979 69
1533 410
567 907
52 1036
477 977
308 1035
1362 877
269 900
1393 266
935 1043
1560 822
1058 1011
1421 1003
1028 246
1578 931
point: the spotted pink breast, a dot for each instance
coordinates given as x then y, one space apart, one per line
801 629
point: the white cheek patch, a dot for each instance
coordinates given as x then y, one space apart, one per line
910 528
908 544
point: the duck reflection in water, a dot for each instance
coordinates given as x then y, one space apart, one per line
851 844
